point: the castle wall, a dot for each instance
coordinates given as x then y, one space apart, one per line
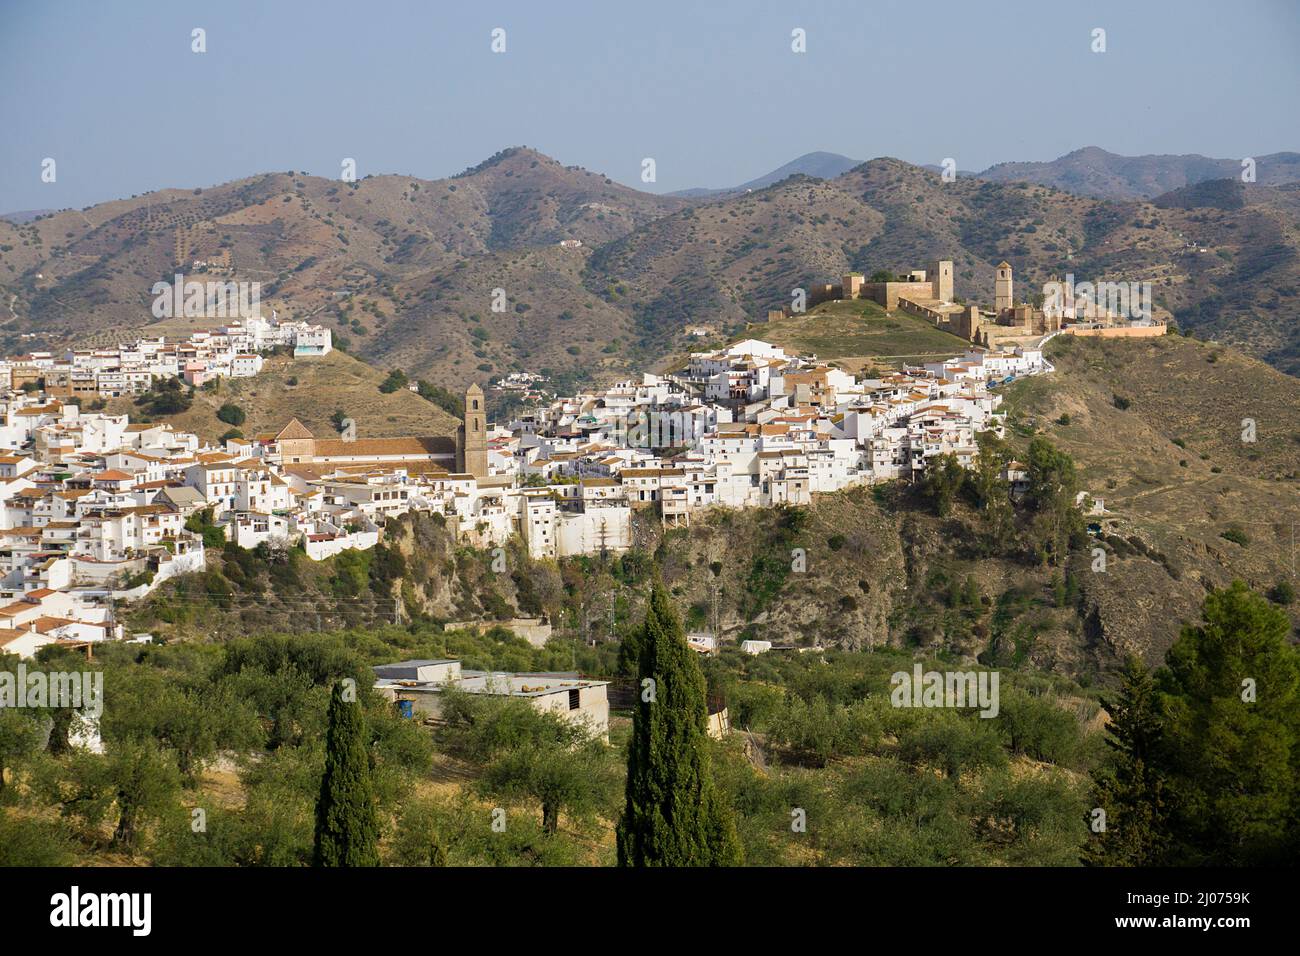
887 293
1118 331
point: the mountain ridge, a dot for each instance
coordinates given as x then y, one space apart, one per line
407 271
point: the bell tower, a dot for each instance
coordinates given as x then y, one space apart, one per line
473 435
1002 297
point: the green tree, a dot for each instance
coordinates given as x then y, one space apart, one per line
534 755
991 495
944 477
1053 484
952 742
29 842
673 814
1232 701
20 736
231 414
146 784
1282 593
194 723
347 825
1131 790
139 779
396 379
418 839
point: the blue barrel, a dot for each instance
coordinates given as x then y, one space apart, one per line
406 708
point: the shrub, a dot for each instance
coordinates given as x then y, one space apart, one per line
1282 593
1237 535
396 379
231 414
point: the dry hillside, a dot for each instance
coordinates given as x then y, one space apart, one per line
310 390
406 268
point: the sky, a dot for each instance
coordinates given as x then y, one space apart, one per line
711 90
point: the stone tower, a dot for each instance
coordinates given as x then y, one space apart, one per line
1002 298
941 280
473 435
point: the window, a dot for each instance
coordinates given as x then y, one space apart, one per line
575 699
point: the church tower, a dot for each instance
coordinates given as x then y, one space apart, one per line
1002 298
473 457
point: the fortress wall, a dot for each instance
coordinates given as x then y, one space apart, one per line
1119 331
887 293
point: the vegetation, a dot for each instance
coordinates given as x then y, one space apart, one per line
396 379
1205 769
166 396
347 830
674 815
821 768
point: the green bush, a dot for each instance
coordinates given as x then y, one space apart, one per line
1237 535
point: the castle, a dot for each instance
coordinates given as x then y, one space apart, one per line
1078 310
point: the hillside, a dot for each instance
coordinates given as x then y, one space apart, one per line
1228 270
883 568
405 270
1174 473
860 335
1170 466
310 390
360 255
1098 174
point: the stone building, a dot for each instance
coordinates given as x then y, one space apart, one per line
471 437
1003 297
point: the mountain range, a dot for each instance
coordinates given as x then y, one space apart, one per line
1094 172
465 278
1090 171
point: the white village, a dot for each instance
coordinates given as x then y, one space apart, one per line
96 510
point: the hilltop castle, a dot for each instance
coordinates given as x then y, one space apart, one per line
928 294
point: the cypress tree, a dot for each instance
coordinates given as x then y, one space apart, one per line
1132 792
347 825
673 815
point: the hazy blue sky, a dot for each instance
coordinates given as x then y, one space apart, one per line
710 90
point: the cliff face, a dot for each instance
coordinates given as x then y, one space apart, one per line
1154 430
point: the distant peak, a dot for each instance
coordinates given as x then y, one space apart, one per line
1088 151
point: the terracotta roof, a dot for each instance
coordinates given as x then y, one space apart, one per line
10 634
294 431
365 447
